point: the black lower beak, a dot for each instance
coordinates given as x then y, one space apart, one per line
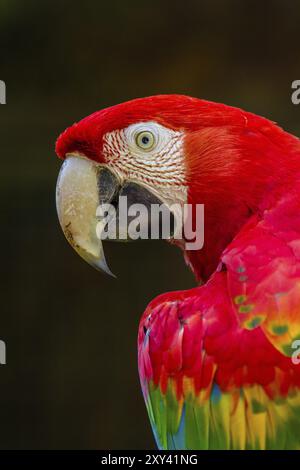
134 194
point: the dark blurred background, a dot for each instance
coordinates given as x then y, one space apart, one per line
71 377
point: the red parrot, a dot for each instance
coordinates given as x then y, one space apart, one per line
218 363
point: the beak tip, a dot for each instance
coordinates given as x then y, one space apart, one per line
102 266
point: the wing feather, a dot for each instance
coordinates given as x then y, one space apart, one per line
215 361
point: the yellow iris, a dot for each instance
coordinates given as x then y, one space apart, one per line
145 140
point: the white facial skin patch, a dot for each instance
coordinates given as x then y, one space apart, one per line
146 152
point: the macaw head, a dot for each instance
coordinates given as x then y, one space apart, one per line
172 150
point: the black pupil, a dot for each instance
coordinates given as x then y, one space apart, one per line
145 140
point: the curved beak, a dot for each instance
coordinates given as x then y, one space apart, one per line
81 186
83 189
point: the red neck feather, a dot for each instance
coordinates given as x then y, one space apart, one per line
236 171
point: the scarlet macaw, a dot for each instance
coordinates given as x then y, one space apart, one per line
216 362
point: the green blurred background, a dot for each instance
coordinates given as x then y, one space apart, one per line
71 377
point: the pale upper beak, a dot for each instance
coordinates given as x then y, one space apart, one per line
77 199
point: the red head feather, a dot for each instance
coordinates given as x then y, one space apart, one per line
173 111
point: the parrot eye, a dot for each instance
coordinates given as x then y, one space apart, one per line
145 140
147 137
